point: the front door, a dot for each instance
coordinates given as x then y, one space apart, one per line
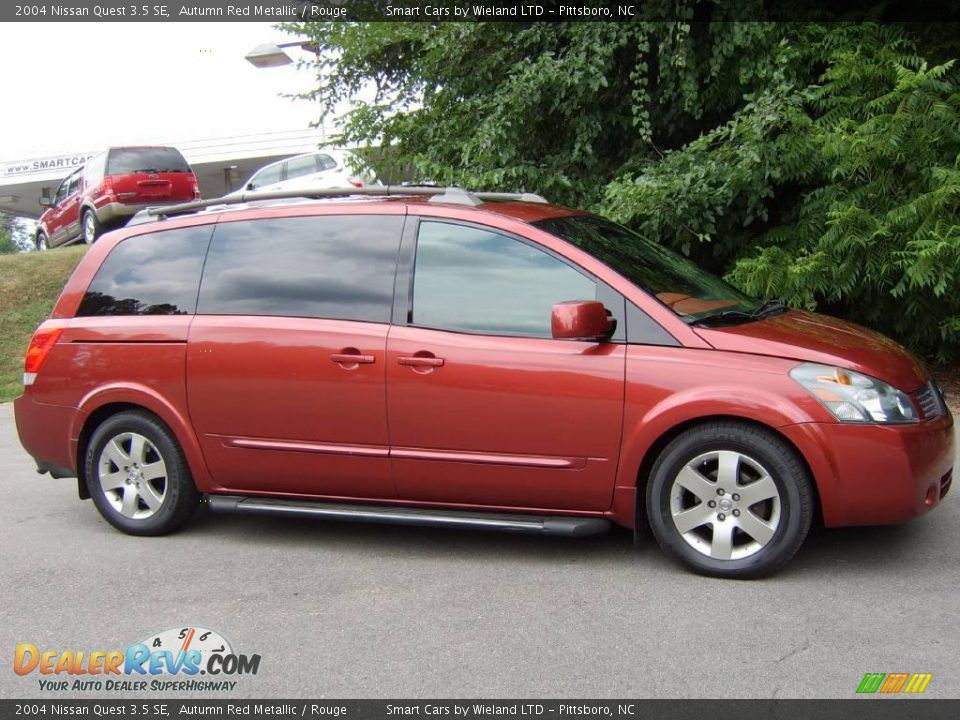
286 357
485 407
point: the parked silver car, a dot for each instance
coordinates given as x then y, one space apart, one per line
315 171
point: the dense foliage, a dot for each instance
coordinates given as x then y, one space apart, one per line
814 162
9 235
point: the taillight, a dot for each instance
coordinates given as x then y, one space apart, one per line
196 188
356 182
106 187
41 344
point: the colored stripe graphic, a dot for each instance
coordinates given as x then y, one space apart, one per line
871 682
893 683
918 682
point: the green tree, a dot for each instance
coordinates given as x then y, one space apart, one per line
8 235
818 162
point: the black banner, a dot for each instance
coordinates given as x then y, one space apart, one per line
480 10
856 709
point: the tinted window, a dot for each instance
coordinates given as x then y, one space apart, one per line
74 183
478 281
62 191
301 166
126 161
340 266
684 287
267 176
155 274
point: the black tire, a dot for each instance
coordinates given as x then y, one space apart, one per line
90 227
178 496
761 455
41 241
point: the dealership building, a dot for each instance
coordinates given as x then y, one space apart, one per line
221 165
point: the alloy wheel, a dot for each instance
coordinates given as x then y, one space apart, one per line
133 475
725 505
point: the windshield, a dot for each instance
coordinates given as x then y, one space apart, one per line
677 282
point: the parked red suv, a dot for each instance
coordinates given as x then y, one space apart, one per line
111 187
482 360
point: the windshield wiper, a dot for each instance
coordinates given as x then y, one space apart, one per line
773 306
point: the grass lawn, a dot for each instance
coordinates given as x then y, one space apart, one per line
29 286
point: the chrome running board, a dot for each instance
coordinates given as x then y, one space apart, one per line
536 524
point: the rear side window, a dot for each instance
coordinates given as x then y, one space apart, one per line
95 168
479 281
155 274
127 161
301 166
338 267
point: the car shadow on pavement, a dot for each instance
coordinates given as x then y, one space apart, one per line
387 539
826 551
895 548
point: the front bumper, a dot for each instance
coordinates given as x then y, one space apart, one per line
877 474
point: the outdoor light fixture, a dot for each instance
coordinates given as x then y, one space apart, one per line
270 55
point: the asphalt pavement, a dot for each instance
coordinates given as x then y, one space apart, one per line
338 610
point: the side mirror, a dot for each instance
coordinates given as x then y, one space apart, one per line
250 186
581 320
46 202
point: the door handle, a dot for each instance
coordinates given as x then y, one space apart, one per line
416 361
352 356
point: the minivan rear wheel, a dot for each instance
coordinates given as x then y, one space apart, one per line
137 475
730 500
91 227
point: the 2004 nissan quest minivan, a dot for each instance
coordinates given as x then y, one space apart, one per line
438 357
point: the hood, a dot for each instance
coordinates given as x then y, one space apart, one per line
809 337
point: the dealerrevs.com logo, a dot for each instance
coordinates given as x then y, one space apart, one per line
167 661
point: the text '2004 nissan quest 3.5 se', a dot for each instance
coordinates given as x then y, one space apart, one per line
437 357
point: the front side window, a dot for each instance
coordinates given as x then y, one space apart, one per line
154 274
268 176
679 283
74 183
62 191
479 281
334 266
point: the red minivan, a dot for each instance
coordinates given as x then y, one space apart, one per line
437 357
110 188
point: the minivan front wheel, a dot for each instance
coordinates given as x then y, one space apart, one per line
91 227
730 500
137 475
41 242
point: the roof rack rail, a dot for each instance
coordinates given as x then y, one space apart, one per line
450 195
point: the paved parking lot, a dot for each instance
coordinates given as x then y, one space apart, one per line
340 610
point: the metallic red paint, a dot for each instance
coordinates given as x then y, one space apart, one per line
580 320
817 338
403 415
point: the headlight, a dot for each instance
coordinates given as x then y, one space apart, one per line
855 398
